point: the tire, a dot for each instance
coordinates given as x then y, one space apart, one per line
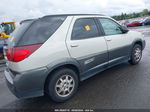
59 88
136 54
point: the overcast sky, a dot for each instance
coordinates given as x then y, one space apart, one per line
25 9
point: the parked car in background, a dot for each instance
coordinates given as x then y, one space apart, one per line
133 24
54 53
124 22
8 27
146 21
2 44
1 52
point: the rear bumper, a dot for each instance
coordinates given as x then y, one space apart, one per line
26 84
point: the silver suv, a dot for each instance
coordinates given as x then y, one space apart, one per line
54 53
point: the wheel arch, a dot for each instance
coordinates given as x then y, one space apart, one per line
138 41
65 63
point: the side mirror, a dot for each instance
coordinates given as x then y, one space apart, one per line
124 29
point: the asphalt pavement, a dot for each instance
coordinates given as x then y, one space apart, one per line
121 87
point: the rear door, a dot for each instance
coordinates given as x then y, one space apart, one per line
117 41
86 43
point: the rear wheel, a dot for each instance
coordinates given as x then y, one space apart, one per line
62 85
136 54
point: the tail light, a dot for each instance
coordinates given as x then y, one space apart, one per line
17 54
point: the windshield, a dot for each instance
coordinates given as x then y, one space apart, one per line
1 29
11 27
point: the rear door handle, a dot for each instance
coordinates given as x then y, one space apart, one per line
74 45
108 39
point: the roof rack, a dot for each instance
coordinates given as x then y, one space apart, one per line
73 15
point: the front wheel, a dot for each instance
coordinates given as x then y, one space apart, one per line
136 54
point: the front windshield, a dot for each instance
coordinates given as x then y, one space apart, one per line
1 29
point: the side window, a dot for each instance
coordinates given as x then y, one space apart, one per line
84 28
110 27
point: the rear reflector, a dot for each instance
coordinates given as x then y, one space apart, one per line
17 54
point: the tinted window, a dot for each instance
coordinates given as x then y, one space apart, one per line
110 27
37 31
84 28
18 33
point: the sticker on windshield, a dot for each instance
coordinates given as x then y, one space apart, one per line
87 28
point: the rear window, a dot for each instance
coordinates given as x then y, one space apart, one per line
36 31
18 33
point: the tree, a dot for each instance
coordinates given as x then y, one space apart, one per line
145 12
133 15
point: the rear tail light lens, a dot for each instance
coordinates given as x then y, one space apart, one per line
17 54
20 54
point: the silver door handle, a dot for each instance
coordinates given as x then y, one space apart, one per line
74 45
108 39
